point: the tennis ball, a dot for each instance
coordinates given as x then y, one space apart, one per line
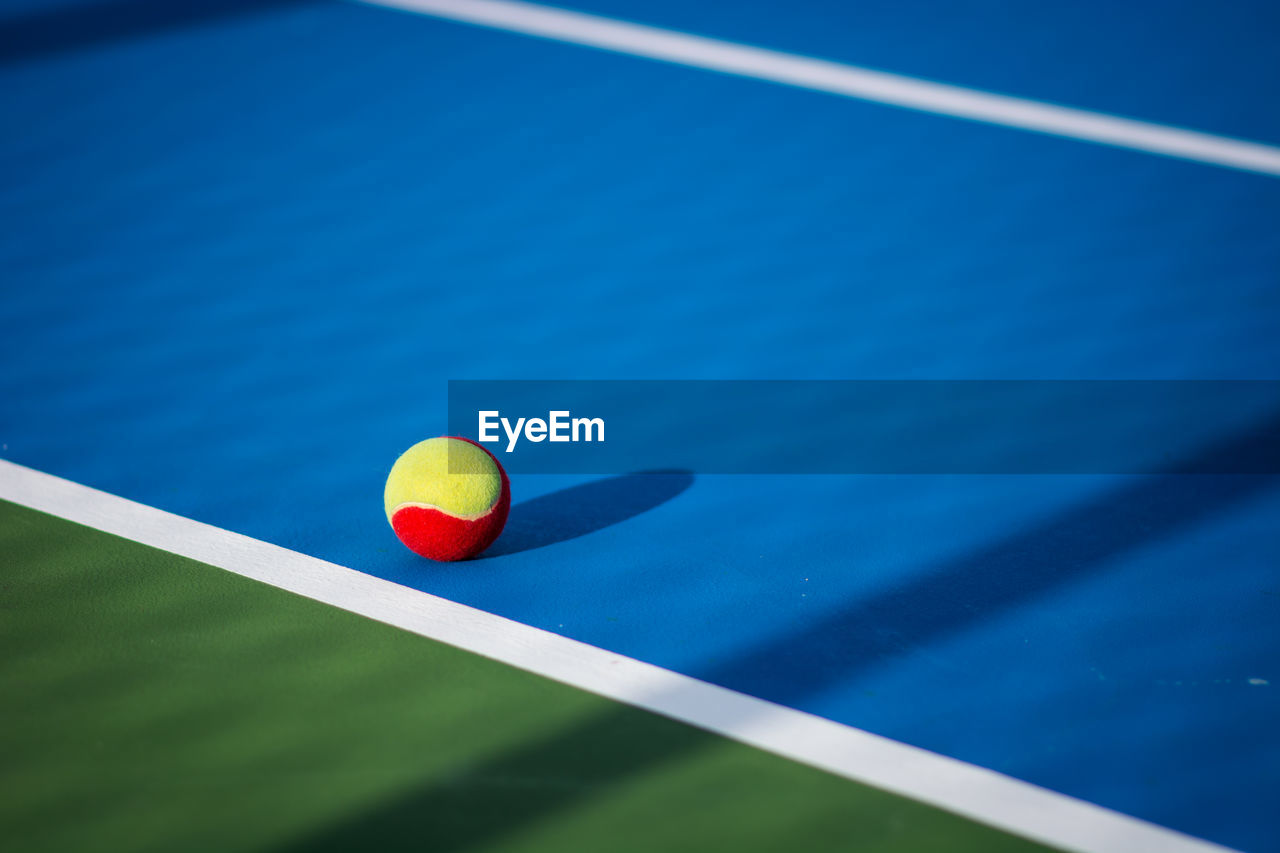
447 498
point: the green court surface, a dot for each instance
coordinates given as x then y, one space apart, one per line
152 702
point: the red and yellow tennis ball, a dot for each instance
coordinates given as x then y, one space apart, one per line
447 498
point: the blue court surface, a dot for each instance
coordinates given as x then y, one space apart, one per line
246 245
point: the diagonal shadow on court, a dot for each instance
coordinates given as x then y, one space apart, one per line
479 804
68 28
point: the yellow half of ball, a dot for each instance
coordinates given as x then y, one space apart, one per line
448 474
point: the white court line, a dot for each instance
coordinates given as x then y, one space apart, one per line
983 795
849 80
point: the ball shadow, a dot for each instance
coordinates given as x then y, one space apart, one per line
586 508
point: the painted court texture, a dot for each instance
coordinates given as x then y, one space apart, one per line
247 245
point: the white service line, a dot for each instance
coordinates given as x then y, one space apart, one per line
849 80
983 795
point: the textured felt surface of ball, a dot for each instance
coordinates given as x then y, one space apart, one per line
447 498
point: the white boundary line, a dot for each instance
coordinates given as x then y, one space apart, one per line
977 793
849 80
